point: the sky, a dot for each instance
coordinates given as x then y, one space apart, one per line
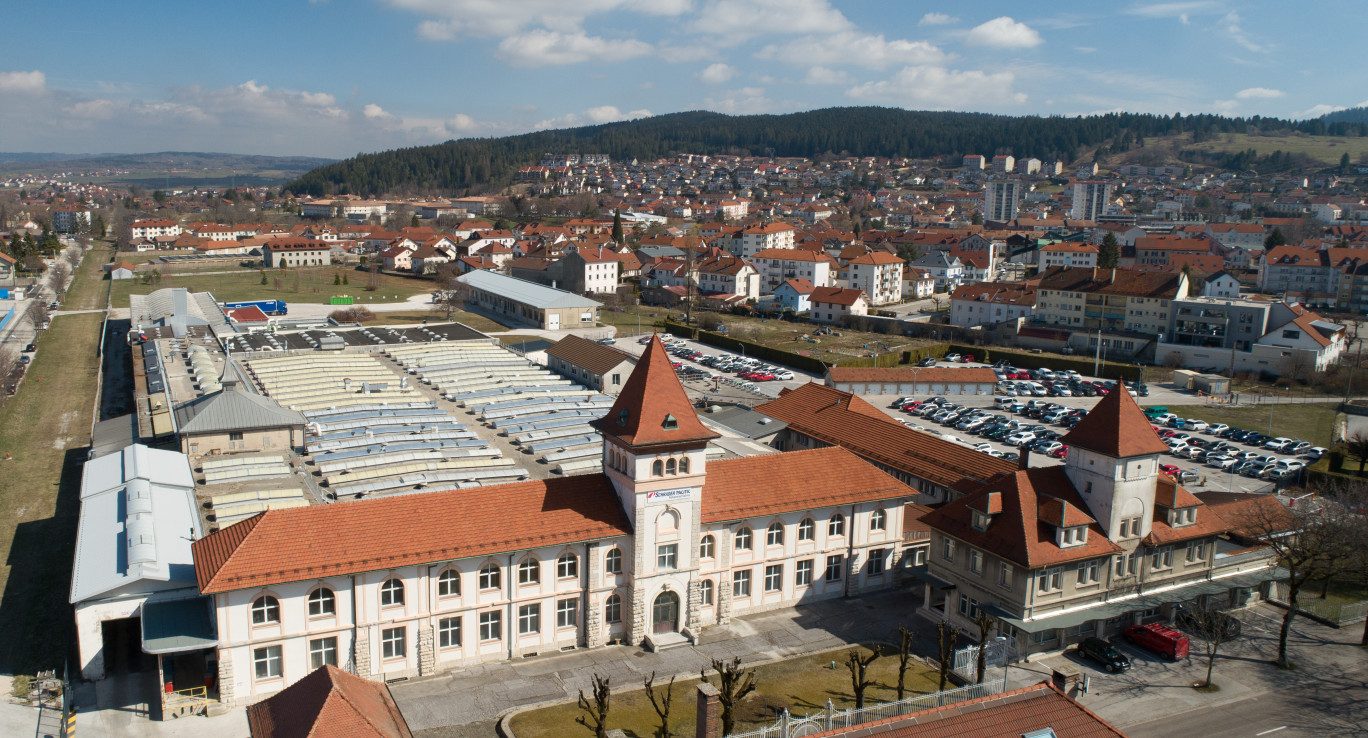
334 78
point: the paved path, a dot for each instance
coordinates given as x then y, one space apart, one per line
475 697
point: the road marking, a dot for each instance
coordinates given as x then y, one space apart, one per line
1273 730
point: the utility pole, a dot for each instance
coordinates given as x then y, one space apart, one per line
1097 360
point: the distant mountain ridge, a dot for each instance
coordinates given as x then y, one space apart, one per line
168 168
465 164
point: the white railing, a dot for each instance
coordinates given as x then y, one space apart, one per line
790 726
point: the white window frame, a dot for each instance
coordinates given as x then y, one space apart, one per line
774 534
529 571
490 577
743 540
491 625
835 568
567 566
774 578
449 583
836 526
612 561
741 583
394 643
529 619
707 548
268 656
319 651
446 629
802 573
567 612
392 592
667 556
266 610
807 530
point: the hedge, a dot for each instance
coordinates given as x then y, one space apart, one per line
1054 362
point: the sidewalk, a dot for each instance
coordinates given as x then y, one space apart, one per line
467 702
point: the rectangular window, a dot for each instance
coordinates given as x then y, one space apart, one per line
949 551
491 625
802 573
1005 575
322 652
774 577
393 643
741 583
667 556
975 561
529 619
1196 551
567 613
834 566
266 662
449 632
1162 559
1088 573
878 561
234 436
968 607
1050 580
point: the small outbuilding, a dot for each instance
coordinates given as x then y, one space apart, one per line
235 419
590 363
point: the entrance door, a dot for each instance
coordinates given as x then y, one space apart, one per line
553 322
665 613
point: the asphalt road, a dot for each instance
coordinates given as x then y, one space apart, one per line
1334 706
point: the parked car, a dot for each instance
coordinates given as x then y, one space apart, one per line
1278 444
1161 639
952 357
928 361
1193 424
1105 654
1315 452
30 348
1216 429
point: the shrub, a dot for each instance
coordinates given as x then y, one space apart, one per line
352 315
21 685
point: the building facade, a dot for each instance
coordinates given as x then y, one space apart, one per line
1001 197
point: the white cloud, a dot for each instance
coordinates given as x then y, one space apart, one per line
592 117
937 19
1003 32
853 47
938 88
1180 10
730 22
743 101
1316 111
540 48
450 19
34 81
1085 49
716 74
1258 92
824 76
372 110
1231 25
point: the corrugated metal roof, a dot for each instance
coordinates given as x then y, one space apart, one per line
234 409
527 293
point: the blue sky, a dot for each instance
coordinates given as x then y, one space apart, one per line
337 77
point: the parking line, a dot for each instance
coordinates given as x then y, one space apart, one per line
1274 730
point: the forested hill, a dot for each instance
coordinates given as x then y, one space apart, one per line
456 166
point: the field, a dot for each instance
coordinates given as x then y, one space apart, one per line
1311 422
45 429
801 685
89 288
304 285
1326 149
841 345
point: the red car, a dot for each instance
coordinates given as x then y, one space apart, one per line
1169 469
909 407
1061 452
676 364
1101 391
761 377
968 358
1159 638
1168 433
1022 375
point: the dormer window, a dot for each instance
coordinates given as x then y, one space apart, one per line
1182 516
1075 535
669 423
622 416
980 520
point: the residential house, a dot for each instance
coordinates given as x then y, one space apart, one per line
832 304
1221 284
1127 306
878 274
590 363
779 265
1068 254
724 275
947 270
329 701
590 270
761 236
151 229
295 252
917 285
1158 251
122 270
1234 335
794 295
397 258
989 303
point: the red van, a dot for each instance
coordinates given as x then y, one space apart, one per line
1158 638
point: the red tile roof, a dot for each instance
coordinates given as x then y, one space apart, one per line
1100 281
367 535
651 395
591 355
842 419
1033 502
328 702
836 295
1015 713
1116 427
752 486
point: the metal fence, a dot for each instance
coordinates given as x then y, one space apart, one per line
997 653
1332 612
791 726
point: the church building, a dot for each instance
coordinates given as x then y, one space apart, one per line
658 546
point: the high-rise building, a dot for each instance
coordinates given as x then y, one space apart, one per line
1090 200
1000 198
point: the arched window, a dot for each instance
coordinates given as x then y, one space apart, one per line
878 521
489 577
265 610
775 535
667 523
705 592
743 539
658 468
567 566
707 548
684 465
612 561
612 609
836 526
807 530
670 466
391 593
529 571
449 583
322 602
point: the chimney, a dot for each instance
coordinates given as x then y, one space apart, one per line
708 721
1024 461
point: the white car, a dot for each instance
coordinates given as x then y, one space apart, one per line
783 374
1315 452
984 447
1225 462
1278 444
1020 438
1216 429
1193 424
952 357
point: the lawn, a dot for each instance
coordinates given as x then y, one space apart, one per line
633 320
841 345
303 285
1311 422
89 288
801 685
45 428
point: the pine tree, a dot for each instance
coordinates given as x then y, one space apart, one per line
617 226
1109 256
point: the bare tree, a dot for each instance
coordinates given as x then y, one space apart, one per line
733 684
859 673
985 624
595 716
61 272
1214 629
905 639
1297 364
660 702
1312 542
946 637
1356 445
